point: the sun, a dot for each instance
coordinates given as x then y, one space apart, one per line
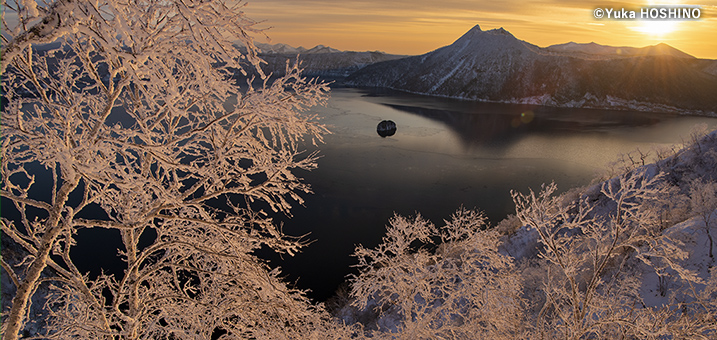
656 28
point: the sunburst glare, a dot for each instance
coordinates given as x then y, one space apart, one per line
655 28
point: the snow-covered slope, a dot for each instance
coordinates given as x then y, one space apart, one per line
495 66
697 161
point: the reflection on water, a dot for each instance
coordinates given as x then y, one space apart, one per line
447 153
498 125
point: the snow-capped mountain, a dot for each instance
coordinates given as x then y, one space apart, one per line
278 48
319 60
321 49
496 66
288 49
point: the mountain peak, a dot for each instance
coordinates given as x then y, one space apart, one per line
500 31
322 49
478 42
475 28
665 49
476 31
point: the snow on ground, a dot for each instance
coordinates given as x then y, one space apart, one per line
693 235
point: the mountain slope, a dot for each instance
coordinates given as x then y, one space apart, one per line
495 66
592 48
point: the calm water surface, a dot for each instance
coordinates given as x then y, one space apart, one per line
447 153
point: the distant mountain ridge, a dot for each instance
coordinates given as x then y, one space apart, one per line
623 51
319 60
495 66
287 49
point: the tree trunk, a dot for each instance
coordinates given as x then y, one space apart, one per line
23 294
709 237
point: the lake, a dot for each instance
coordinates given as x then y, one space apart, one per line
446 153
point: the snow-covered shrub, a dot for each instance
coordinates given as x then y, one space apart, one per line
703 201
440 282
591 289
508 225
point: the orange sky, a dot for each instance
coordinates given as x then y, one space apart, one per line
420 26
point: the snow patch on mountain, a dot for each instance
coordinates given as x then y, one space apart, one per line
711 67
450 74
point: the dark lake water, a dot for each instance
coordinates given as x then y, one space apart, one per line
444 153
447 153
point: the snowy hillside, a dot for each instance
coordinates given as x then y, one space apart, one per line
628 257
496 66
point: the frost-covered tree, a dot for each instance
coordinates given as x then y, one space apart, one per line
703 201
588 248
440 283
128 108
